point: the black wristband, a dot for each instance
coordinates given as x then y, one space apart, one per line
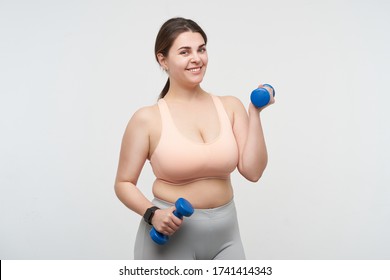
149 214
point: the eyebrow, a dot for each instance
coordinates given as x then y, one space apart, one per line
188 48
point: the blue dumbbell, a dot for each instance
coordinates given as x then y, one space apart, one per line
183 208
260 96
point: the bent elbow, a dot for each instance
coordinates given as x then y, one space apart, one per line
252 168
119 189
116 190
254 178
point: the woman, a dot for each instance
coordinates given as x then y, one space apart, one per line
193 140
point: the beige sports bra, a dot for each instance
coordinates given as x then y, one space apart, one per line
179 160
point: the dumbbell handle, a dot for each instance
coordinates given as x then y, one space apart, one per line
260 96
183 208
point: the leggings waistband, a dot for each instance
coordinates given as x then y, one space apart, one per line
202 214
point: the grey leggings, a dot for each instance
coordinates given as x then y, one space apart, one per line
208 234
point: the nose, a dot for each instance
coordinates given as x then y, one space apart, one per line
195 58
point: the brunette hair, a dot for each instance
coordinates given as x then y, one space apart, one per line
168 33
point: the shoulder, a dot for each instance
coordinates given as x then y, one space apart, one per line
233 107
231 103
231 100
145 115
143 119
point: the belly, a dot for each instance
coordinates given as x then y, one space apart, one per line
203 194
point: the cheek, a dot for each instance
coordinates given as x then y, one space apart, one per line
205 59
180 63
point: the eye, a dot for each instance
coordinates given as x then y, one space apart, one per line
184 53
202 50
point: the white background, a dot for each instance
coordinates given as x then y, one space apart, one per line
73 72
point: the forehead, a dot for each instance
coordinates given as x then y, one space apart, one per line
188 39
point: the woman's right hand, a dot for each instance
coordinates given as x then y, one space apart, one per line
165 222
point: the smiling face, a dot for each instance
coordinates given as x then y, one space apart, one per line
187 60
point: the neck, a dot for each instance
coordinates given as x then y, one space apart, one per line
184 94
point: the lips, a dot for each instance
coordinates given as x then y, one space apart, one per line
194 70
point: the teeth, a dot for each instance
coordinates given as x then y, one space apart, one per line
194 69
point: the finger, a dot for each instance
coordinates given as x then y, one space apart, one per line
176 221
165 230
270 90
169 230
170 223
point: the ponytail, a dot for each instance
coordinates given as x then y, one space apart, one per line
165 90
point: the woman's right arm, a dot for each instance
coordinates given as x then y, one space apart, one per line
134 152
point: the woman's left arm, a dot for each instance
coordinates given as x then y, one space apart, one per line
249 134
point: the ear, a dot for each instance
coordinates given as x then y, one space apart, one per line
162 60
